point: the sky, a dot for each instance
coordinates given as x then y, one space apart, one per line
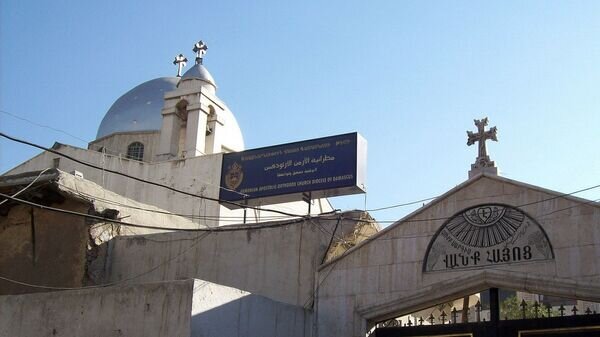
409 76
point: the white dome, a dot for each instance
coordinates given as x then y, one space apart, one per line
232 139
139 109
199 72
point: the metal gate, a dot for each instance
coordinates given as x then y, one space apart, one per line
566 321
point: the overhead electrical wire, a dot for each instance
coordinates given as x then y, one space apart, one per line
272 210
147 181
208 229
400 205
517 206
31 285
338 218
111 152
43 126
188 216
26 187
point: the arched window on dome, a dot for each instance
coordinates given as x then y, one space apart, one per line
135 151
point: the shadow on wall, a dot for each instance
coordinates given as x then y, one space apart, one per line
251 316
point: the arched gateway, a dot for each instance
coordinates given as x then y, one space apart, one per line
491 257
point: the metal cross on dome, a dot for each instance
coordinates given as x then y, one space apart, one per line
180 61
200 49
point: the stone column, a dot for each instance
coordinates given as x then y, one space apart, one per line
196 131
214 140
169 135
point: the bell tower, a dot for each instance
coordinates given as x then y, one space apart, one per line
193 117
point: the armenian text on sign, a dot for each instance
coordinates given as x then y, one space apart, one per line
487 235
323 167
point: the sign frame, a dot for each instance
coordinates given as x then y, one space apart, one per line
313 169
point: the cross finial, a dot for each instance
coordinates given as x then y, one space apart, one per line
482 162
180 61
200 49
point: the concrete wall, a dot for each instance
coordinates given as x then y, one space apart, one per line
43 247
278 263
143 310
197 175
219 311
383 277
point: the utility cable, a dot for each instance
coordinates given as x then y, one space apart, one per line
188 216
44 126
331 239
147 181
26 187
400 205
516 206
112 152
100 218
198 239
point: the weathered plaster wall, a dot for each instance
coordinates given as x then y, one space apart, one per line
144 310
62 250
278 263
219 311
384 275
198 175
48 250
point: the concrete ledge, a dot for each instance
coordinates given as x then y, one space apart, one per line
454 288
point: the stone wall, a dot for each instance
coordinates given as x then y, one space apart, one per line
143 310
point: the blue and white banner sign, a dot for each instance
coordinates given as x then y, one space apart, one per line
322 167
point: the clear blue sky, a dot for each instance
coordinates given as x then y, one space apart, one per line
409 76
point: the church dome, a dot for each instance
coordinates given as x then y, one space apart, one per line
232 137
139 109
199 72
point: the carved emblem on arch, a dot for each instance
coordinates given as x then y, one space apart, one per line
487 235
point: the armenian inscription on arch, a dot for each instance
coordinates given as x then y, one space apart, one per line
487 235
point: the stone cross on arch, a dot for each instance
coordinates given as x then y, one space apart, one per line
180 61
482 162
481 136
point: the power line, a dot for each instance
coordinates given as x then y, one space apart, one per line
517 206
188 216
100 218
197 239
44 126
266 209
113 152
399 205
147 181
26 187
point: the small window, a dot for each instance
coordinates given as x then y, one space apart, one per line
135 151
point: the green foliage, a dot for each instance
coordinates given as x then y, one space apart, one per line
511 308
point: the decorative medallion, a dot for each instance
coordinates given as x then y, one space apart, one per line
234 176
487 235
